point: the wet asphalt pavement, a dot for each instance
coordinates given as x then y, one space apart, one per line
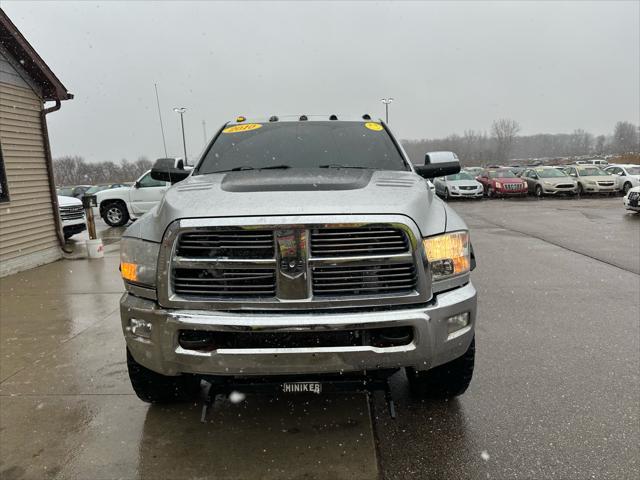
555 394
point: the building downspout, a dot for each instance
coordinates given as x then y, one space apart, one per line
52 186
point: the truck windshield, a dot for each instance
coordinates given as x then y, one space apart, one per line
305 144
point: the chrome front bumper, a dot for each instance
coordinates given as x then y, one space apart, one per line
431 345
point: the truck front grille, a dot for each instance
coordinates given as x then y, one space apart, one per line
377 278
71 213
331 242
284 266
234 243
225 282
513 186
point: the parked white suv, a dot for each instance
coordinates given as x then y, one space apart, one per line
71 216
117 206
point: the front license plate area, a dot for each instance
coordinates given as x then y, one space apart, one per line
302 387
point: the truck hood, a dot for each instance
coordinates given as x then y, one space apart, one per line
118 192
68 201
291 192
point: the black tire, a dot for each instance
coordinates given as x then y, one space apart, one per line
580 189
115 214
626 187
446 381
539 192
446 194
490 193
151 387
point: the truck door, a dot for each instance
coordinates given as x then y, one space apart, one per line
146 193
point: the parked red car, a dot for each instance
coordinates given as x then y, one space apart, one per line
502 182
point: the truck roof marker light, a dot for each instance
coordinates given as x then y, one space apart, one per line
366 116
240 119
333 117
273 118
303 117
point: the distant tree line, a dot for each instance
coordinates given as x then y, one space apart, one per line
75 170
473 147
503 144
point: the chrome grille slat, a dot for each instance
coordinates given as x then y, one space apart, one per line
380 278
350 232
345 242
231 243
225 282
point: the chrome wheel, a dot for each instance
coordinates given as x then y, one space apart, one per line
114 215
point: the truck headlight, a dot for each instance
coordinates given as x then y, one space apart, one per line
448 254
139 261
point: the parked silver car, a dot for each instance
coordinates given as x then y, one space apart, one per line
592 179
459 185
543 181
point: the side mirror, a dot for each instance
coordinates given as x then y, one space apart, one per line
136 184
438 164
169 170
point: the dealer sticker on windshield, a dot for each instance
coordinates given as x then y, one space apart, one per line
376 127
242 128
302 387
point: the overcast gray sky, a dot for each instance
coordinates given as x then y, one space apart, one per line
552 66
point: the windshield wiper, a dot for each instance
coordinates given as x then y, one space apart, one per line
336 165
247 167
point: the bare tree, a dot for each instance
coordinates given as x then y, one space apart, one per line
74 170
504 132
600 142
626 137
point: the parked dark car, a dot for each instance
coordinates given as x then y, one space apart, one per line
77 192
99 188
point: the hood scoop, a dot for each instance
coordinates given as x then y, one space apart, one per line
189 187
296 180
395 182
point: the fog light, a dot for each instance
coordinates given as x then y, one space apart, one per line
457 322
140 328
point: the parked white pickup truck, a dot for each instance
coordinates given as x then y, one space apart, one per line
117 206
71 216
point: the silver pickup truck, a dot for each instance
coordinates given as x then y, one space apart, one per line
299 249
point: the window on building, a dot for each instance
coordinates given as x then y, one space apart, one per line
4 190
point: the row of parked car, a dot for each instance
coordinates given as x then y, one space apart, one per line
477 182
118 203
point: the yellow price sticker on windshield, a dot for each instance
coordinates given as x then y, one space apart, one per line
376 127
242 128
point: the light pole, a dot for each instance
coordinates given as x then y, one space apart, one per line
181 111
386 102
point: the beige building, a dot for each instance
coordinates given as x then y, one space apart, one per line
30 232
